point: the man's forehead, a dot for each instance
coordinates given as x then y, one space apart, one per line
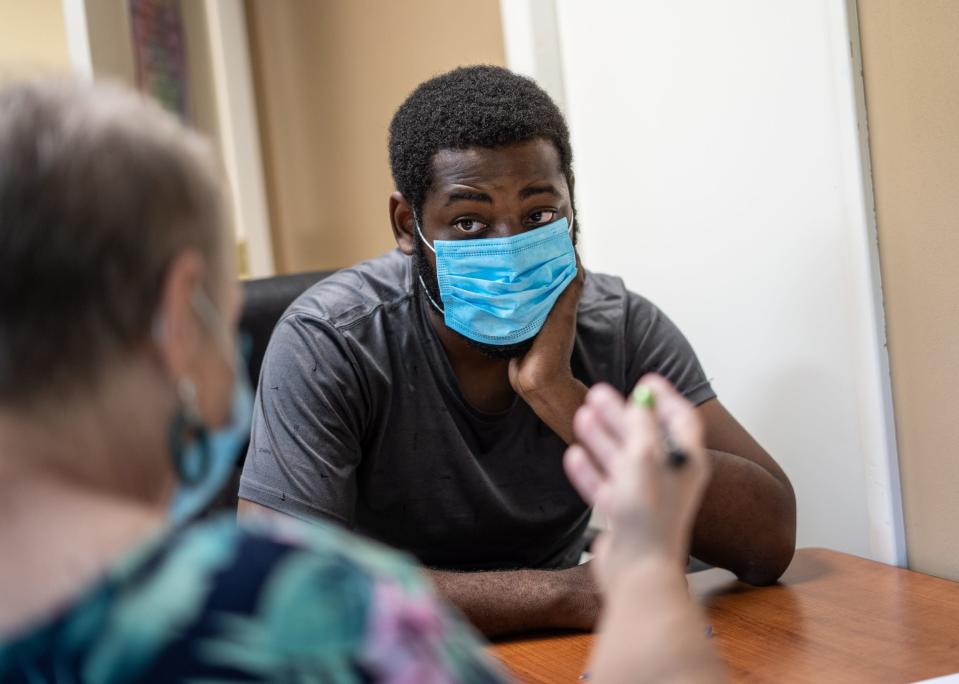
533 159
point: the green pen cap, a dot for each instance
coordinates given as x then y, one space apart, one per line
643 396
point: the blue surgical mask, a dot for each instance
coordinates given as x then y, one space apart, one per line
204 461
500 290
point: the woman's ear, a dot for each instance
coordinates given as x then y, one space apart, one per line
401 218
177 331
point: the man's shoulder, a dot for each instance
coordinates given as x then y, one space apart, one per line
605 295
353 294
611 312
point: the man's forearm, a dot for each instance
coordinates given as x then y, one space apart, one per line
747 522
556 405
511 601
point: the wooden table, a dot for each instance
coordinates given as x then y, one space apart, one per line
832 618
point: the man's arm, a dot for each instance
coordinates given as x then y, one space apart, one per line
507 602
747 522
543 377
307 425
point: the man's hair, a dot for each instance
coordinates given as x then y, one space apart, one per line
99 191
476 106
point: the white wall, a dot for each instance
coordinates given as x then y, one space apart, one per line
719 171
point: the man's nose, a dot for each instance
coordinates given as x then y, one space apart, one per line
508 227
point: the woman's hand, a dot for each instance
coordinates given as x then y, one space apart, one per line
620 465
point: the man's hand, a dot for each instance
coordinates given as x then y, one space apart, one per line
546 364
543 377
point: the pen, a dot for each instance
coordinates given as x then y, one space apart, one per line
675 457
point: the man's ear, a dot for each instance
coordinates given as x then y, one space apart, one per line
177 332
401 218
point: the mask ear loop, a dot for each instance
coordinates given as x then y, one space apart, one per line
426 289
420 233
211 319
186 431
188 437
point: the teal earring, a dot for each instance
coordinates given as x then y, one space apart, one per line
189 441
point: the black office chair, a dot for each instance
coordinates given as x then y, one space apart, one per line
265 300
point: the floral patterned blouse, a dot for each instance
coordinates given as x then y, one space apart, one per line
277 601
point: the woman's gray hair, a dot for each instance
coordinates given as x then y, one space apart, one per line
100 190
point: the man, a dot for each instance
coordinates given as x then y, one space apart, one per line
425 397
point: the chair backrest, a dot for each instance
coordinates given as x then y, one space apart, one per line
265 300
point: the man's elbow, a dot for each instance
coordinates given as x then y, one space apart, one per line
770 560
769 566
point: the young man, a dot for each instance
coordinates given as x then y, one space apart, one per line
425 397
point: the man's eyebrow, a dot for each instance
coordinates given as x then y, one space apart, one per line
467 196
543 189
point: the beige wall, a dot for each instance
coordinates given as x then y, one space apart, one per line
328 76
111 48
33 38
911 70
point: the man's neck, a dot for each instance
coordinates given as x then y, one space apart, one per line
484 381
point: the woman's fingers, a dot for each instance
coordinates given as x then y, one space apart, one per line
609 408
620 466
598 425
583 472
677 416
621 444
626 426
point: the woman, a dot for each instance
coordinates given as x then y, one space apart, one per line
122 405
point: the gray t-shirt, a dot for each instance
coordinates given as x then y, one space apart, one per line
359 418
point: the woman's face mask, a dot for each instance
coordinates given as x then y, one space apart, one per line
204 458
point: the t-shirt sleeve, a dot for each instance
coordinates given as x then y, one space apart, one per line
308 420
654 344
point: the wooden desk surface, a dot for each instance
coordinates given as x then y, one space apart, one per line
832 618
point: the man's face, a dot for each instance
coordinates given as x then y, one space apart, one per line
483 193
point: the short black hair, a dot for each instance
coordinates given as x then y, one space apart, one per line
474 106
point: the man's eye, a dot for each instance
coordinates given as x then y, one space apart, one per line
469 225
541 218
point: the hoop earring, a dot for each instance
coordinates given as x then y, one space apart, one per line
189 441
